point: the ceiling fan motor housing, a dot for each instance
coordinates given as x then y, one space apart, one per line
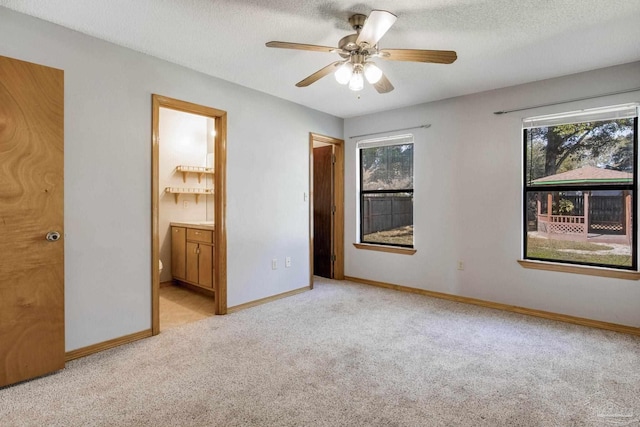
357 21
349 45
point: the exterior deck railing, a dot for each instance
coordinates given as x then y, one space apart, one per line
562 224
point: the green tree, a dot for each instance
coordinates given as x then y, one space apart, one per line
570 146
387 167
622 155
535 159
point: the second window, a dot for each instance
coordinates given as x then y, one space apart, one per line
386 191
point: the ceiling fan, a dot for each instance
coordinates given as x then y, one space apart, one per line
358 49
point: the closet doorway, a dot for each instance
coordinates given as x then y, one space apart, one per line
326 207
189 245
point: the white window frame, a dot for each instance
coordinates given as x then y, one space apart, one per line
380 142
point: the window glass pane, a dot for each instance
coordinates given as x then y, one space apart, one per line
387 167
583 226
598 152
387 218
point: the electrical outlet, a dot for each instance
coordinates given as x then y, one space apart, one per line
460 265
274 264
185 204
287 262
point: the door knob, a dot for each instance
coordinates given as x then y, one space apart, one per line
53 236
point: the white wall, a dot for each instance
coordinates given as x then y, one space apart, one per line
108 176
468 200
184 140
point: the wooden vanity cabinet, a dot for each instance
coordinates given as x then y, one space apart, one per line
178 251
192 256
200 264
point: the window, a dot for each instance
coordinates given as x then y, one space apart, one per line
386 191
580 181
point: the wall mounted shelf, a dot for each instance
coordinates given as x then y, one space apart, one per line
195 191
199 170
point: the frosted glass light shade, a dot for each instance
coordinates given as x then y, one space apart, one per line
343 73
372 73
356 82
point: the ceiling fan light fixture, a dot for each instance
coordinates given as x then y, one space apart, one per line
372 72
343 73
355 50
356 83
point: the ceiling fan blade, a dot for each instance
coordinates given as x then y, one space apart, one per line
300 46
383 85
319 74
376 25
417 55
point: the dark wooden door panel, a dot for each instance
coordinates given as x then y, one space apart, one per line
322 215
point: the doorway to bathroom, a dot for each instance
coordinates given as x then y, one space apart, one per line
188 212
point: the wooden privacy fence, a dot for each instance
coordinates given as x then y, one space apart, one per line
382 212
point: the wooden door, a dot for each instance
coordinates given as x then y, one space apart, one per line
31 205
323 211
205 266
178 252
192 262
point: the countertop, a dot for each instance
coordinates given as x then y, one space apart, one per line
201 225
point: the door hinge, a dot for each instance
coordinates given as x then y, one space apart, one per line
333 159
333 209
333 258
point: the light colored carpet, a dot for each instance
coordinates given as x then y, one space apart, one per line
346 354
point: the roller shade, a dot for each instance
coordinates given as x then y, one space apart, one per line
386 141
624 111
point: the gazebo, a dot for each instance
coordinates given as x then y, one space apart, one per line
594 211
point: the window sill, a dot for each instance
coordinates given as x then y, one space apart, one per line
390 249
578 269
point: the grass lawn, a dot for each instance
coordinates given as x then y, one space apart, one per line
567 250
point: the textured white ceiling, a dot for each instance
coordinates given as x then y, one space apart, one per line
499 42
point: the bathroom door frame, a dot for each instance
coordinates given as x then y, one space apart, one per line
219 197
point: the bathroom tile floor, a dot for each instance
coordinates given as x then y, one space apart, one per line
179 306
